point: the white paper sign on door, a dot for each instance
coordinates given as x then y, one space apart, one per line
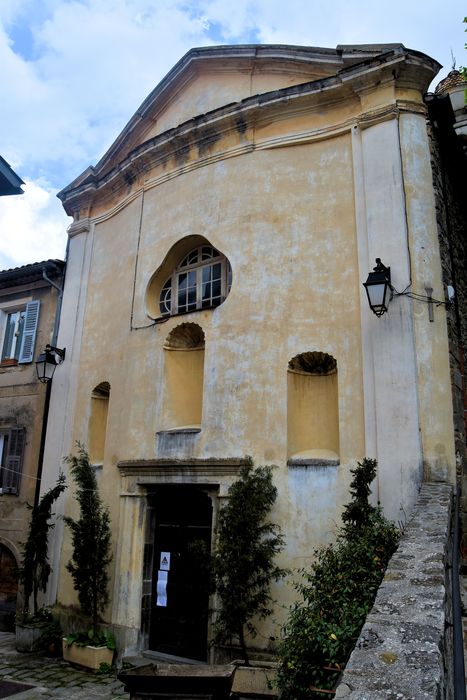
161 589
165 561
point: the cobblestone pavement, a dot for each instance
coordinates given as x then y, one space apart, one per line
53 678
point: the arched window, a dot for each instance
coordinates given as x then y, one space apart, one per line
201 280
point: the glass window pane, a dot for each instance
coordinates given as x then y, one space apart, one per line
182 280
207 252
165 304
206 290
192 278
166 297
193 257
207 273
217 271
181 299
13 334
216 288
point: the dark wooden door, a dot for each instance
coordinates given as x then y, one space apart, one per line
180 593
8 589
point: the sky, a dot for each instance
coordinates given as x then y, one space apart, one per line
73 72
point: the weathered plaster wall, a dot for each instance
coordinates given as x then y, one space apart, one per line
280 217
430 337
405 647
300 195
21 405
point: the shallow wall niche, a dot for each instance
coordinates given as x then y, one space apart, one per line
312 410
98 422
184 377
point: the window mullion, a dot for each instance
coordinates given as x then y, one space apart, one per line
199 287
174 305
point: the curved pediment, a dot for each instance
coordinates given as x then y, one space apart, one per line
191 107
209 77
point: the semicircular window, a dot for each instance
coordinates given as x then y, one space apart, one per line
202 280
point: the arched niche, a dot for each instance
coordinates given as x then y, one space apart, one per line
312 410
184 377
100 398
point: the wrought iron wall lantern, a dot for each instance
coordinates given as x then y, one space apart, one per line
380 292
378 288
48 361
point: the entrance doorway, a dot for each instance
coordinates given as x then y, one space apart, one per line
8 589
181 571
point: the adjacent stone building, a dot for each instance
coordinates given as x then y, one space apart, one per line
28 305
214 310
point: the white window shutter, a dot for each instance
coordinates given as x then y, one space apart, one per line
29 332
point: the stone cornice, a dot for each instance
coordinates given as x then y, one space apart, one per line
210 468
80 226
197 142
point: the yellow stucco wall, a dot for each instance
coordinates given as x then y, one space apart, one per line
300 200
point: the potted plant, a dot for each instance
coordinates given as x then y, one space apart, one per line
50 641
244 567
88 566
35 569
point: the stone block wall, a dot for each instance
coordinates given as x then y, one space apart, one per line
405 649
449 167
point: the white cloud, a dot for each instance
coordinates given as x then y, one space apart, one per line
74 71
33 226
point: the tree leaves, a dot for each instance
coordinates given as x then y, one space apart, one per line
90 535
243 564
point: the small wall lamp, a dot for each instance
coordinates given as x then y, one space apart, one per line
47 362
380 292
378 288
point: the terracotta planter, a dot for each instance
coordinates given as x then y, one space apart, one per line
88 657
27 636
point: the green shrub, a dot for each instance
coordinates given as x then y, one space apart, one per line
94 638
336 595
243 565
35 569
90 538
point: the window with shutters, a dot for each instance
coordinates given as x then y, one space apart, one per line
12 443
19 333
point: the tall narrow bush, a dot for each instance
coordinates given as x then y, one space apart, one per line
35 568
336 595
243 564
90 535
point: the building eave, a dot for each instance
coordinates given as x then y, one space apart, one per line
10 182
31 273
361 68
